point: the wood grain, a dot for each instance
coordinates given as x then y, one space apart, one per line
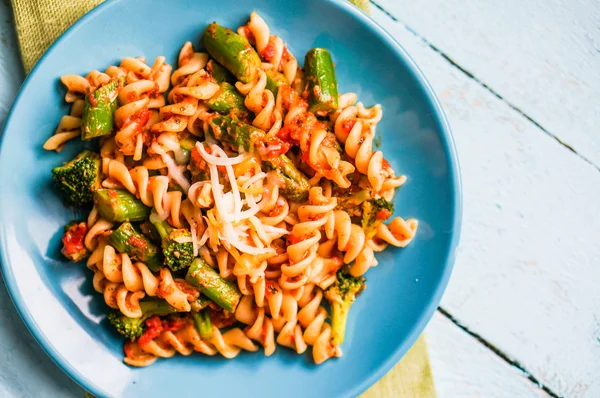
542 56
463 369
526 276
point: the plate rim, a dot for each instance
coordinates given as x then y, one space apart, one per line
448 144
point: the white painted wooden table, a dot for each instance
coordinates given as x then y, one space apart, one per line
520 84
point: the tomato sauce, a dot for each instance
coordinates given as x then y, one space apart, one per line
154 329
73 238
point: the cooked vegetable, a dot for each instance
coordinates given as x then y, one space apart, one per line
219 73
321 82
78 179
222 292
98 110
242 136
127 240
296 185
237 134
119 205
374 212
228 101
73 237
203 323
232 51
341 295
177 246
201 303
132 328
274 80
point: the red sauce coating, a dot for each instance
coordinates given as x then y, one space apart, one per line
269 51
137 242
73 238
347 125
383 214
154 329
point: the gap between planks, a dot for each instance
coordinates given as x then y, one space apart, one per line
484 85
498 352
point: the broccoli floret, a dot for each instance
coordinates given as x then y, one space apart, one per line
132 328
341 295
73 237
177 247
78 179
375 211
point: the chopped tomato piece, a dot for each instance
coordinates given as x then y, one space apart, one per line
73 238
154 329
383 214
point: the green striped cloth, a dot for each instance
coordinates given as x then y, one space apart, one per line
40 22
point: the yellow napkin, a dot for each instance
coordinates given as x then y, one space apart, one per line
40 22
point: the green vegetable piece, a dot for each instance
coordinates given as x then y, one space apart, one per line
236 133
201 303
127 240
203 323
133 328
228 100
341 295
232 51
274 80
78 179
186 145
222 292
244 137
219 73
177 247
119 205
296 185
321 82
98 110
374 212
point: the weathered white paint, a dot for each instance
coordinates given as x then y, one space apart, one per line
543 56
463 369
527 273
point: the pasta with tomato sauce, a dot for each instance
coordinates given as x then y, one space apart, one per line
236 198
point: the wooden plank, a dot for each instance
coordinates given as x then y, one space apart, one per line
464 369
526 277
542 56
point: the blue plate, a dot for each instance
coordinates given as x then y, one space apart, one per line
56 298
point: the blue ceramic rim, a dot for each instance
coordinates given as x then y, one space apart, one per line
449 148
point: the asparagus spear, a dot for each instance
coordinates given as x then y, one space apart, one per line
232 51
222 292
274 80
127 240
219 73
322 83
228 100
186 145
236 133
296 186
203 323
201 303
98 110
242 135
177 250
119 205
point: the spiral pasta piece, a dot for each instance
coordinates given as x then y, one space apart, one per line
271 48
